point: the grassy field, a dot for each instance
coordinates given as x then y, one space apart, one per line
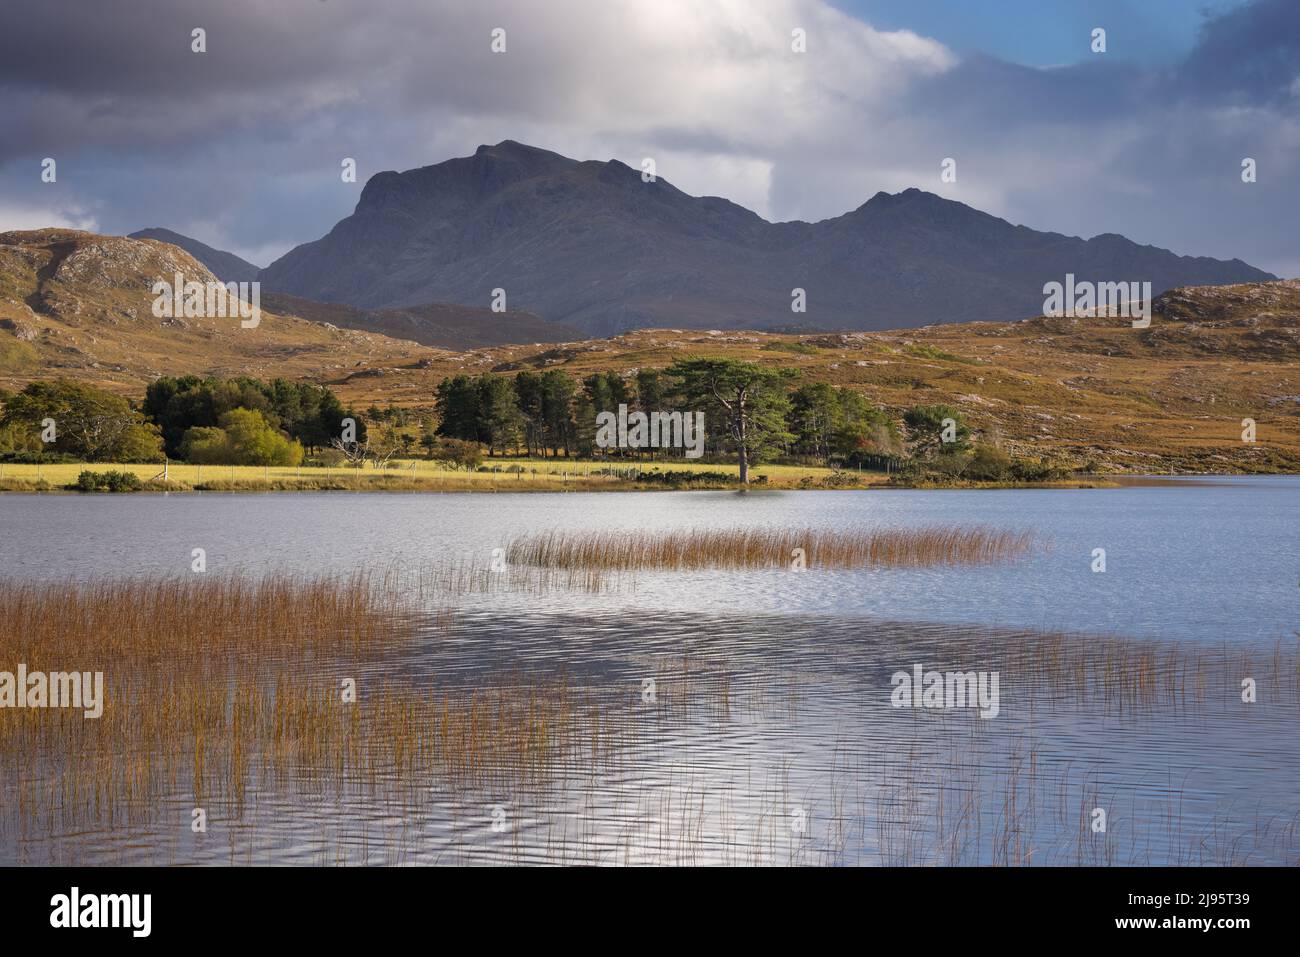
506 475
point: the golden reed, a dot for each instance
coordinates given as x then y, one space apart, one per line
768 548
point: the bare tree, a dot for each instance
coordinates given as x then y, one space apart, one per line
357 454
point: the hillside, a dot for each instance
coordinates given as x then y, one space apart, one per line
591 245
1165 398
79 305
438 324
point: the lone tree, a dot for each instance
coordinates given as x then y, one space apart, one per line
751 399
937 429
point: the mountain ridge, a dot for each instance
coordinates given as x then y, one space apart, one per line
590 244
226 266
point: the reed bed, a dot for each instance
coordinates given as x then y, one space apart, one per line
541 742
219 690
91 625
477 576
215 742
763 547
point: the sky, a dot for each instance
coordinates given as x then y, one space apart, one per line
1045 33
241 146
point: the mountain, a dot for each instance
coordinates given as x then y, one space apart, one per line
591 245
438 324
78 305
225 266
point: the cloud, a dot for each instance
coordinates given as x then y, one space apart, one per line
41 217
242 143
1249 55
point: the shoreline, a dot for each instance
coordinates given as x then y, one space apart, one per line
522 475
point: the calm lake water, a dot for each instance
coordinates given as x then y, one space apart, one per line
770 736
1211 560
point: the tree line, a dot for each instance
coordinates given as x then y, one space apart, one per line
752 414
239 421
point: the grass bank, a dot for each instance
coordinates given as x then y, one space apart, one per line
498 475
418 475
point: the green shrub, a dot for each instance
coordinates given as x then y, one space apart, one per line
36 458
243 438
798 348
121 481
930 352
689 479
1023 470
988 464
111 481
458 453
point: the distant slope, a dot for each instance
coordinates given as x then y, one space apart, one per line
225 266
1167 398
78 305
591 245
436 324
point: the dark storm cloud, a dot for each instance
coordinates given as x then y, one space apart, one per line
143 46
1250 54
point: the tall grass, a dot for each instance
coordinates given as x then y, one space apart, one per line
762 547
212 684
221 689
75 624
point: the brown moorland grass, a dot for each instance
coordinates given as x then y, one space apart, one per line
762 547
